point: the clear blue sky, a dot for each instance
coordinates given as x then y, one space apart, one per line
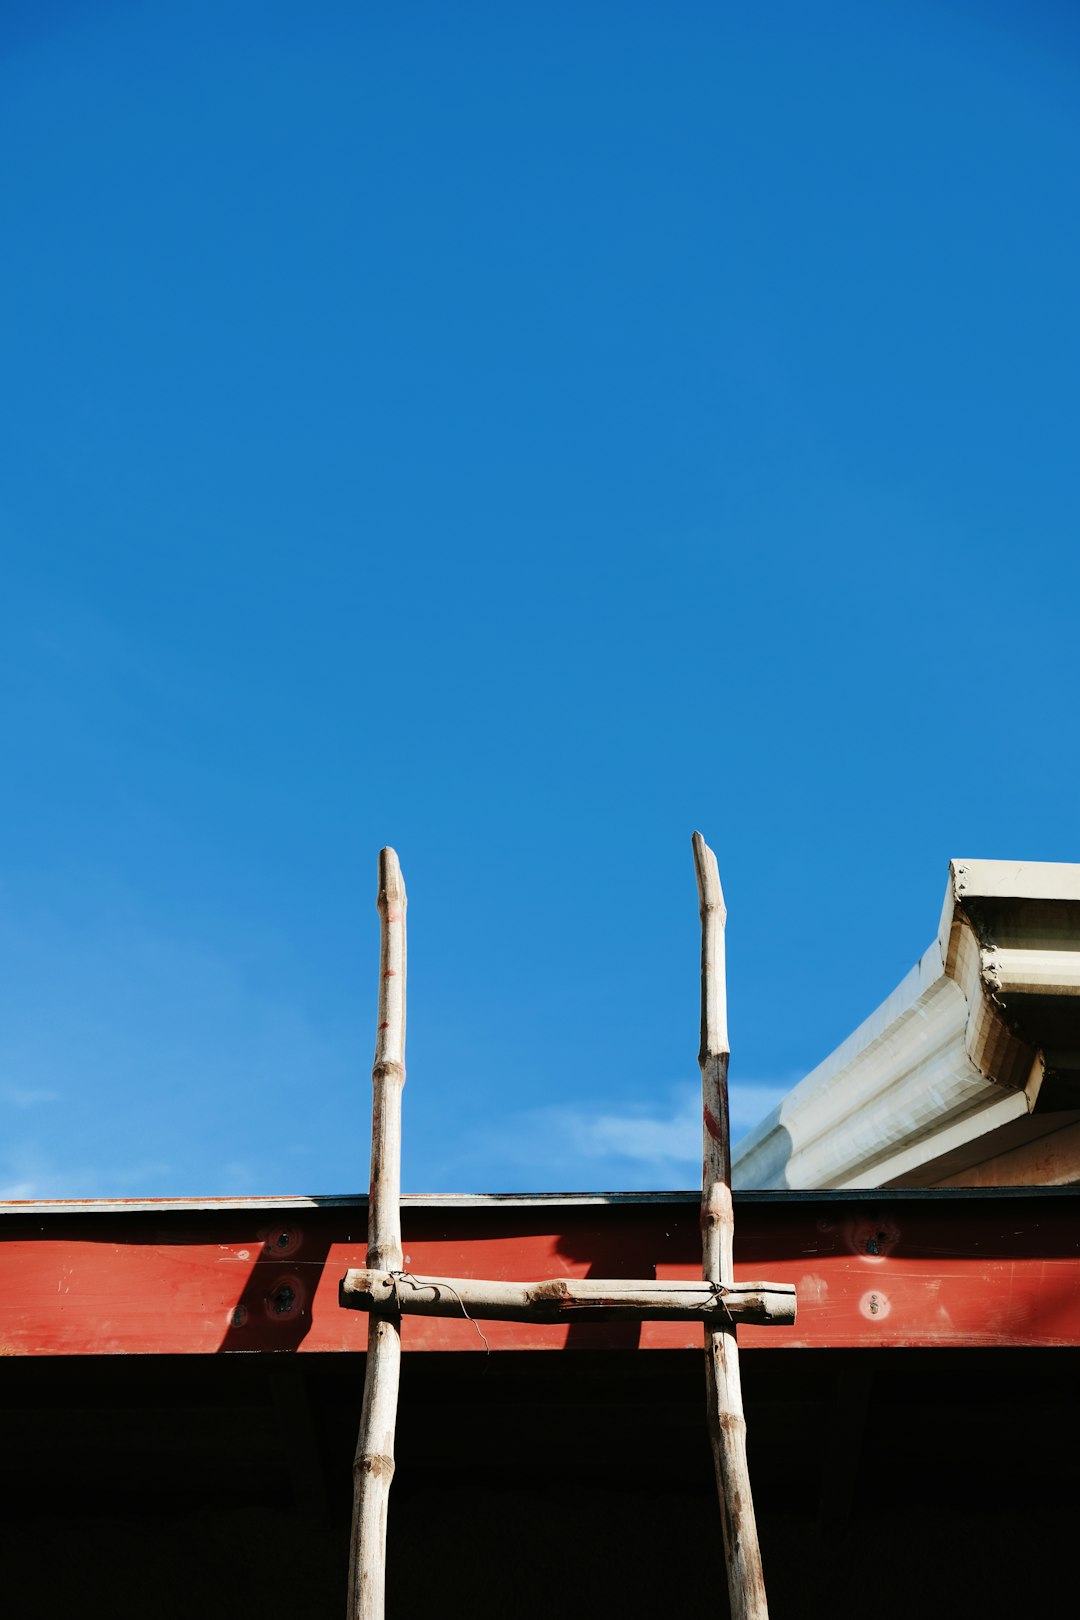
520 434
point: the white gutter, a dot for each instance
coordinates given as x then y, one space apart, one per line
955 1052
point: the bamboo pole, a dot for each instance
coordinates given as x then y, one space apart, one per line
373 1465
727 1425
561 1299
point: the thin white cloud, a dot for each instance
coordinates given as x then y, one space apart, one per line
168 1060
27 1172
751 1100
672 1137
27 1096
596 1145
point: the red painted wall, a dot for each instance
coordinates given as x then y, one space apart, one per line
874 1270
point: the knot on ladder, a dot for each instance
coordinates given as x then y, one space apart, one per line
719 1293
399 1277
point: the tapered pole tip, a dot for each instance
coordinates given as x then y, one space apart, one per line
391 883
710 894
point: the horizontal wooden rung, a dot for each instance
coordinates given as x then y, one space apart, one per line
563 1299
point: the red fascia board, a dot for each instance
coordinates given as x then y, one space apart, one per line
878 1269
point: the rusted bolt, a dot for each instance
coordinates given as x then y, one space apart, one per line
282 1240
285 1297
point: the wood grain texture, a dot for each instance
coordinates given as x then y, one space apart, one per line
723 1386
373 1465
568 1299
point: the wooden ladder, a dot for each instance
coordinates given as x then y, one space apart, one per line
387 1291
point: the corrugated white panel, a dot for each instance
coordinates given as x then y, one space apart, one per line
951 1055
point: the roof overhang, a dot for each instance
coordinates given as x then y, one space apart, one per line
976 1051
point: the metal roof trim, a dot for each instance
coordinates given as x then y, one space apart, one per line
937 1065
493 1202
1015 880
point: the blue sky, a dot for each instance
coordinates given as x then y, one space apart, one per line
520 434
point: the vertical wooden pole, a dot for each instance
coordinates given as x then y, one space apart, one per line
373 1465
727 1425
